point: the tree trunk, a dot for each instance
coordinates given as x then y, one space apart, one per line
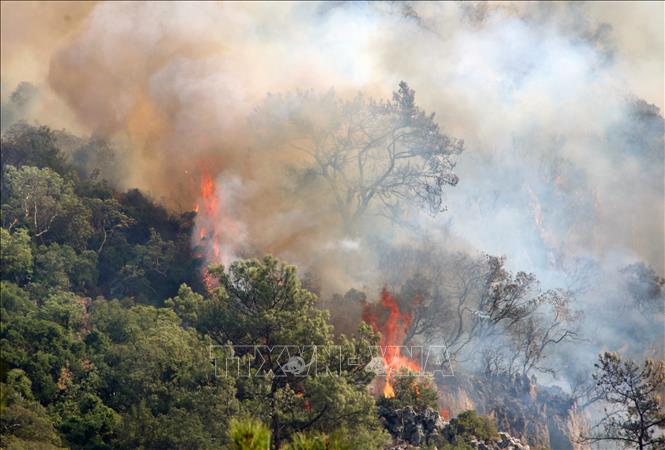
276 441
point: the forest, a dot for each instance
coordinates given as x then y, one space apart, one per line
112 326
107 327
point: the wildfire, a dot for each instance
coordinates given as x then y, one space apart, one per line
209 236
210 200
217 235
393 328
208 280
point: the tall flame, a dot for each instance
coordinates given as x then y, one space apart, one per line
217 234
209 233
393 328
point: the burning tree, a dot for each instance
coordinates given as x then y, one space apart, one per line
365 152
465 302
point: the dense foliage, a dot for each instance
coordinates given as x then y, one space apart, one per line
110 340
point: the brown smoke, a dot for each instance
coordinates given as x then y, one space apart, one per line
525 85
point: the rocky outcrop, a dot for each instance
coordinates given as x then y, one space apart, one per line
538 416
411 427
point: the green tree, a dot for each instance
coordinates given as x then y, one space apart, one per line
152 271
27 145
16 255
261 305
65 309
469 425
46 204
52 267
633 394
24 423
15 301
143 428
316 441
60 267
35 198
249 434
43 341
186 304
160 377
107 218
87 423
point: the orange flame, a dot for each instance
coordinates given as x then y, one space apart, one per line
393 329
210 200
208 280
208 234
217 233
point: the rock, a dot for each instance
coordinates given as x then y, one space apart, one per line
410 426
440 424
430 418
505 442
392 420
417 436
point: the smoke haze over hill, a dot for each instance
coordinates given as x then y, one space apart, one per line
559 106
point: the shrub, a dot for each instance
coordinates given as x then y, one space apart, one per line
302 441
469 425
249 434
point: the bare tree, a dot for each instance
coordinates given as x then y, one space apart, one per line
553 322
476 303
635 408
367 153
